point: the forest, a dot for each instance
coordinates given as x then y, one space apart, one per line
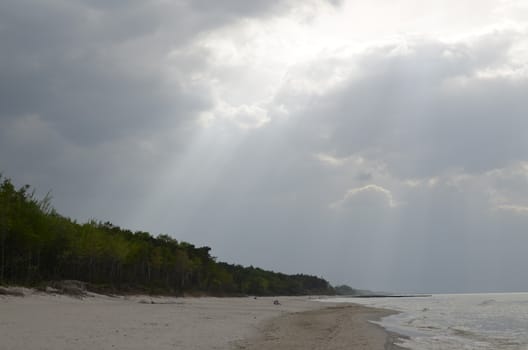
38 245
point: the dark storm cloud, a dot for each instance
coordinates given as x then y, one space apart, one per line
60 62
96 70
97 96
404 172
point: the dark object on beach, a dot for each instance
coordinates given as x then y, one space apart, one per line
276 302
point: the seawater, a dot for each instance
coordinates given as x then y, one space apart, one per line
496 321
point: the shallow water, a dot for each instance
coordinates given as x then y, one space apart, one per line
457 321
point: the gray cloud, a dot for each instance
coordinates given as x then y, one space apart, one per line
364 197
417 114
395 166
97 70
424 109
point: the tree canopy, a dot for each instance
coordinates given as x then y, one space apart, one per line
37 245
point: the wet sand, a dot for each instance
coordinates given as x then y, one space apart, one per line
336 327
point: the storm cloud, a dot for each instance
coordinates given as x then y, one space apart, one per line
295 136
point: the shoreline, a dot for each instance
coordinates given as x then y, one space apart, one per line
58 322
333 327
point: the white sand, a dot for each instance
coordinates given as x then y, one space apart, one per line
43 321
40 321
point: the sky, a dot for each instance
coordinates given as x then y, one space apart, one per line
381 144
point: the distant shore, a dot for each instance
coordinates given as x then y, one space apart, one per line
47 321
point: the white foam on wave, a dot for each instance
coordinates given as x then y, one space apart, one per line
457 321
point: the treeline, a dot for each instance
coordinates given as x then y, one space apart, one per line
38 245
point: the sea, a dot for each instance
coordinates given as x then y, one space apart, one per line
496 321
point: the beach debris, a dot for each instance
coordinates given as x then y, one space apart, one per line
276 302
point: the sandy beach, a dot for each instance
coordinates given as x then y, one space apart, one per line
336 327
58 322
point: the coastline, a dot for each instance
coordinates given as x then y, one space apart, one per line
333 327
58 322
